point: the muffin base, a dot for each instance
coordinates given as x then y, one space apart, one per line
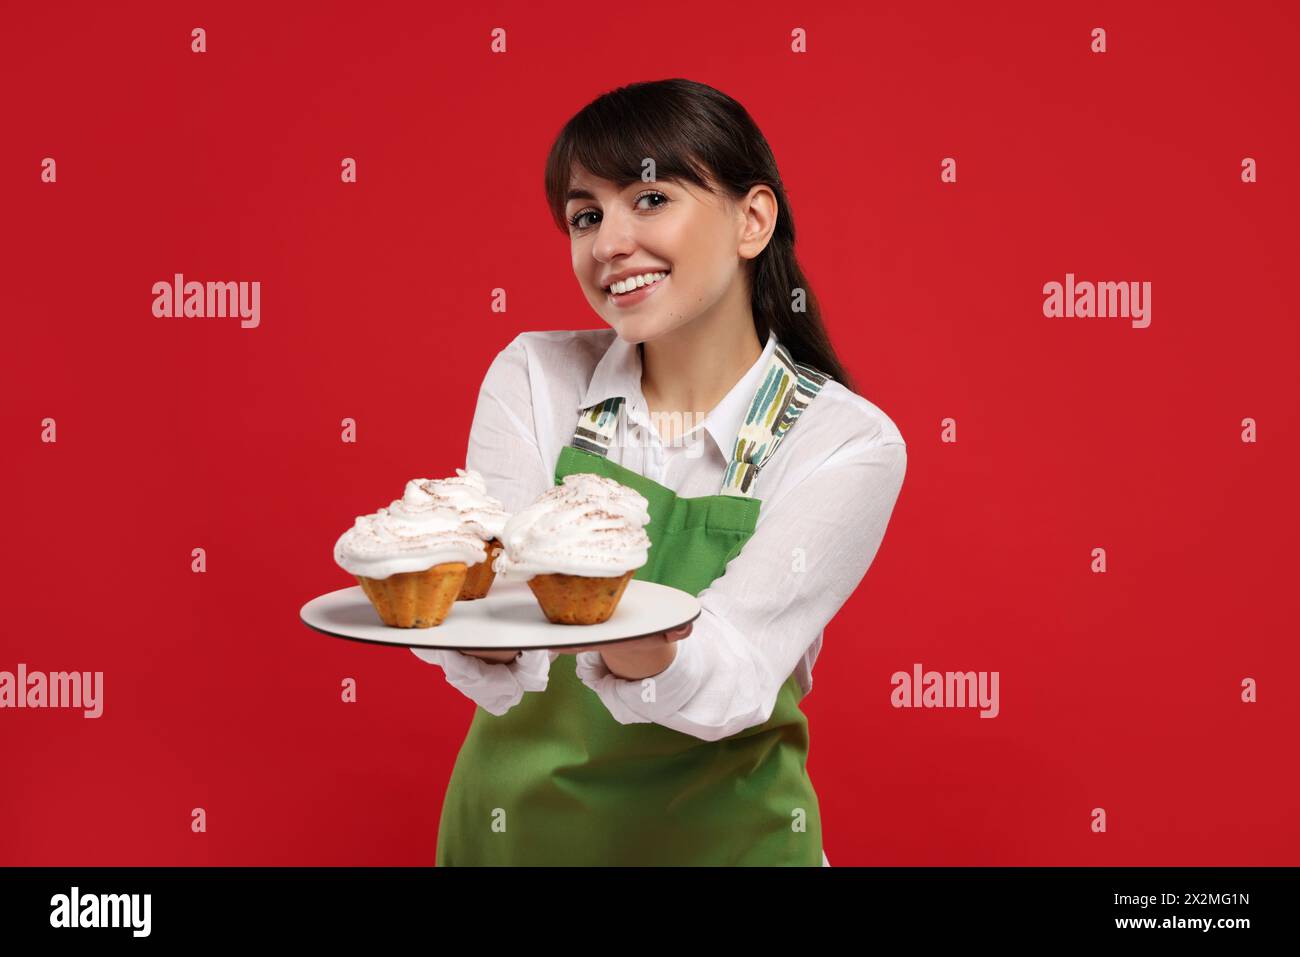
578 599
415 599
479 577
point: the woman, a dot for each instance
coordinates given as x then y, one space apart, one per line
715 393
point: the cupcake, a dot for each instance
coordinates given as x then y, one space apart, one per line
411 558
577 546
484 515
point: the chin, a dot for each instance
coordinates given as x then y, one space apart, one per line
638 329
630 330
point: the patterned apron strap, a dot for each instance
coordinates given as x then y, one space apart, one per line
596 426
786 390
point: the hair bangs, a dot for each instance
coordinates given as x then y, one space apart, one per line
611 139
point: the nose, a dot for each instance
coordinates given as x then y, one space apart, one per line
615 236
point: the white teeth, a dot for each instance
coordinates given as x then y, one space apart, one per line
636 282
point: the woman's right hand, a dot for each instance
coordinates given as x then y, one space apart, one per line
497 657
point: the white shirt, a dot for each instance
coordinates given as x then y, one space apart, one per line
826 496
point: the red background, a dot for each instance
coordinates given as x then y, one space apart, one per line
1119 691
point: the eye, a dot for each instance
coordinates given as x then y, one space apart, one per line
576 220
648 194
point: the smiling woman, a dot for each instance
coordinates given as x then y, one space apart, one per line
638 198
682 748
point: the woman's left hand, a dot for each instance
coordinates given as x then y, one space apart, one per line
638 658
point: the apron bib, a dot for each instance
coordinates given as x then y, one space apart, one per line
557 780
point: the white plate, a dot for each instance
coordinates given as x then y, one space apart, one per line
508 617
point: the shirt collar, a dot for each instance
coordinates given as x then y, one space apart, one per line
618 373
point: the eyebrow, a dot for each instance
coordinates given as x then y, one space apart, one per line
576 193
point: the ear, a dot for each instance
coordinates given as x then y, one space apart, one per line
759 210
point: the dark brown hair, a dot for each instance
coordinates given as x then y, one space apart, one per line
700 135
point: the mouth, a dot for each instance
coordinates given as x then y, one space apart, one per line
630 292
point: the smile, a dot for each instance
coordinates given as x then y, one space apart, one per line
635 290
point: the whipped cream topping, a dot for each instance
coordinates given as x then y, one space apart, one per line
467 493
589 525
412 534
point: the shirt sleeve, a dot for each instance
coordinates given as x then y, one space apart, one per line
503 448
805 558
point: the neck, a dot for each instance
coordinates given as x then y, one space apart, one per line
691 369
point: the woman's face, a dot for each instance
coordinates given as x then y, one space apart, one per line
659 227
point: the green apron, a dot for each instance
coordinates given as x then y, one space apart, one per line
556 780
